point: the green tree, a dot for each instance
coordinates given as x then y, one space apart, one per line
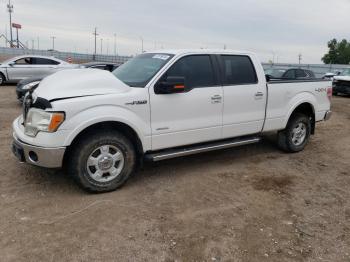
338 53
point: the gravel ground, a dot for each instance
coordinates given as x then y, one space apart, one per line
252 203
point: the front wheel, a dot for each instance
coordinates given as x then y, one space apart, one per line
296 135
2 79
102 162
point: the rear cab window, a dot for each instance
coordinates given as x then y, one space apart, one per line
238 70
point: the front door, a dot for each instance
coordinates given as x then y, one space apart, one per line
191 117
20 69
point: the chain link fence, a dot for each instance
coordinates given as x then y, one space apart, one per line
318 69
6 53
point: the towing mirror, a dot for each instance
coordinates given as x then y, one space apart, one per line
171 85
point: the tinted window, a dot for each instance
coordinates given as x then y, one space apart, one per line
300 73
290 74
238 70
197 71
44 61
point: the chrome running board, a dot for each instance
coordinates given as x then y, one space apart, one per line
196 149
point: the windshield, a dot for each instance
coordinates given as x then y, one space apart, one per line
277 73
138 71
346 72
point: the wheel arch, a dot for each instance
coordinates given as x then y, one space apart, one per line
306 108
121 127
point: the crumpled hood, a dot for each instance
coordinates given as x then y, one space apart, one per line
342 78
79 82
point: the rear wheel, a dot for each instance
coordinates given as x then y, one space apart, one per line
296 135
102 162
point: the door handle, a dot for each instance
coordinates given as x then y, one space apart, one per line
216 99
259 95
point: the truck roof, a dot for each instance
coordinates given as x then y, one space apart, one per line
201 51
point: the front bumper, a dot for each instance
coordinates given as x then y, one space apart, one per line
50 157
341 89
328 115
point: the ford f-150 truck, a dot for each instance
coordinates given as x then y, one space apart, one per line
161 105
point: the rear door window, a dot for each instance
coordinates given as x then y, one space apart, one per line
300 73
44 61
196 69
238 70
290 74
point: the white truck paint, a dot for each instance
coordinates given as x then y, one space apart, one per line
164 123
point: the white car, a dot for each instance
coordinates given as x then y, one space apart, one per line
156 106
21 67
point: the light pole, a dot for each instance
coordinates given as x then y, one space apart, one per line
141 44
10 10
115 44
53 42
95 34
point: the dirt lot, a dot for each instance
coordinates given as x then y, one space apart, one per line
252 203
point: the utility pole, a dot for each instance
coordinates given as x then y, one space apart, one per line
101 45
95 34
300 58
32 44
10 10
107 46
38 42
115 44
53 42
141 44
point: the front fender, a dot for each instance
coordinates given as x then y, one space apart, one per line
297 100
106 113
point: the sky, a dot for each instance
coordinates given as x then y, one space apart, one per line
274 29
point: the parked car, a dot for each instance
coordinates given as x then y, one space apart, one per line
25 85
341 83
331 75
21 67
102 65
158 106
293 73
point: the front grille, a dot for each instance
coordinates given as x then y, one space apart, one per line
340 83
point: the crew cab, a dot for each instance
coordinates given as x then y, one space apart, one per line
161 105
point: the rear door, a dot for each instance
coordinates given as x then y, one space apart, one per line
191 117
244 96
43 66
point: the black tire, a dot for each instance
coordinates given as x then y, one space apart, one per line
2 79
285 137
82 150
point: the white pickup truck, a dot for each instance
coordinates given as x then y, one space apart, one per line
160 105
